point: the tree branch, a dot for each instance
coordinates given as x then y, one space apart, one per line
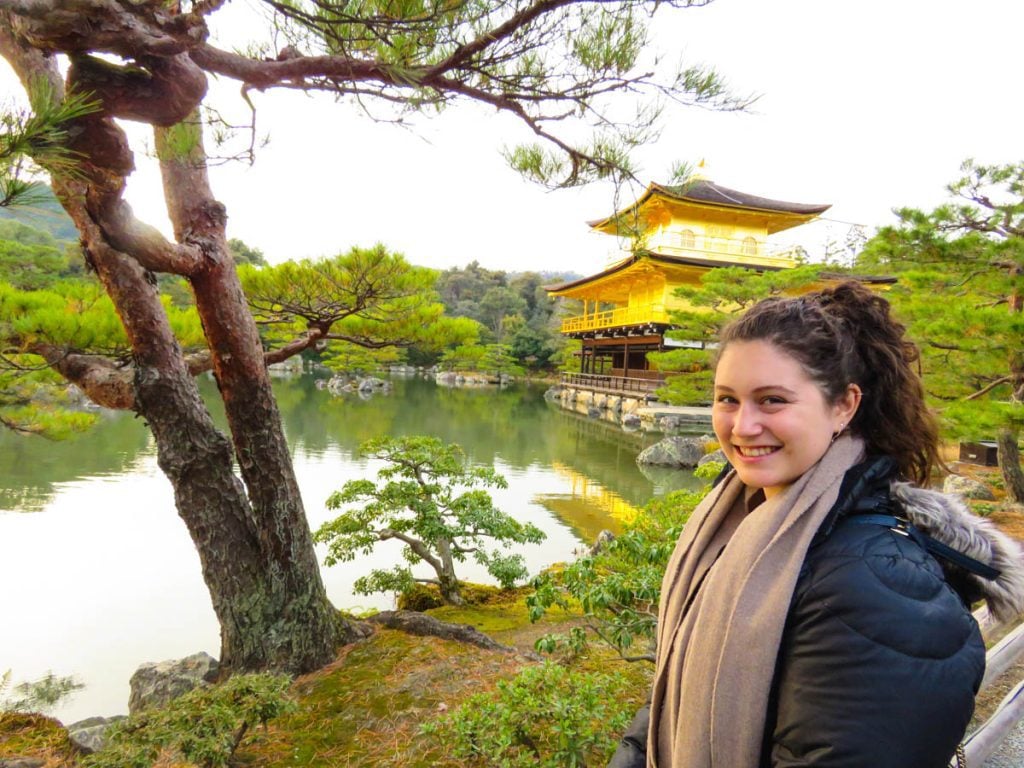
489 38
145 243
103 382
992 385
262 74
415 545
162 93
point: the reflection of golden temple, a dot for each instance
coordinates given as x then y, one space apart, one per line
589 507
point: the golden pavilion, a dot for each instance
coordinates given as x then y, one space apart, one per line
675 234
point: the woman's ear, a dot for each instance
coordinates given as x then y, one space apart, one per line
846 407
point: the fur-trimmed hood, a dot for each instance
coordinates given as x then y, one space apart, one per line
947 519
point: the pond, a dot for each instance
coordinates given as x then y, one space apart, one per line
99 574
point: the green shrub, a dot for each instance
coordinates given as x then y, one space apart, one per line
983 508
616 590
205 726
546 717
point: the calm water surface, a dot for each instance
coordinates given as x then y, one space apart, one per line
99 575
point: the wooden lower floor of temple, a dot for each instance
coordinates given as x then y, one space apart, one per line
621 356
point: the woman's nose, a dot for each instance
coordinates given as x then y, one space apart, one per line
748 421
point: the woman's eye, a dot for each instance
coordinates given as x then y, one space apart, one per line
725 399
773 400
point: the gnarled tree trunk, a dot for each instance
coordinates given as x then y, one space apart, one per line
253 540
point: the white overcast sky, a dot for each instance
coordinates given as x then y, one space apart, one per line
866 105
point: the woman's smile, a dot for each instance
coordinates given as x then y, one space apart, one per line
755 452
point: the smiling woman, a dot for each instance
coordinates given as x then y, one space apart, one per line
806 617
770 417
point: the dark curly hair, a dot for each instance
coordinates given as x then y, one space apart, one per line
843 335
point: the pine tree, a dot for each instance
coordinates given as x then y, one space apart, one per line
961 290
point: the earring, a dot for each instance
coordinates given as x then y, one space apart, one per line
839 431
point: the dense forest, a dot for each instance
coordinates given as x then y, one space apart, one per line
468 318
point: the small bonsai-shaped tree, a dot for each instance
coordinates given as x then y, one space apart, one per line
428 497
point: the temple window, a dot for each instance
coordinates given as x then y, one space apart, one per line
749 246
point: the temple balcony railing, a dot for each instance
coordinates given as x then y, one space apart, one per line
765 256
615 318
642 383
749 251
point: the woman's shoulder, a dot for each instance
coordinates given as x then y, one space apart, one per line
874 582
878 517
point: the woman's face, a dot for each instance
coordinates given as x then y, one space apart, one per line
772 420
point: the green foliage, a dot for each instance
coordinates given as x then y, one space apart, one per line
466 357
431 499
31 142
243 253
533 347
353 358
204 726
20 232
180 142
29 267
497 304
37 695
566 359
617 588
367 297
34 400
494 359
31 258
514 309
959 291
723 295
543 64
443 334
69 317
498 359
77 315
548 716
45 213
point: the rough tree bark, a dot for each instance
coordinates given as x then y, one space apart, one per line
1008 452
1009 463
253 541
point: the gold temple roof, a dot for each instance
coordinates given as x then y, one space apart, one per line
700 197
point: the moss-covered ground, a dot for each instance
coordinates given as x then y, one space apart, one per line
366 708
35 736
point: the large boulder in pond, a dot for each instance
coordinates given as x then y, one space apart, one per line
155 684
673 451
447 378
373 384
967 488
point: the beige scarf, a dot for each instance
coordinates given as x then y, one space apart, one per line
719 634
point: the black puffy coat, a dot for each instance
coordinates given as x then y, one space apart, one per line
880 658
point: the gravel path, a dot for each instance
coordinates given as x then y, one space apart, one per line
1011 752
